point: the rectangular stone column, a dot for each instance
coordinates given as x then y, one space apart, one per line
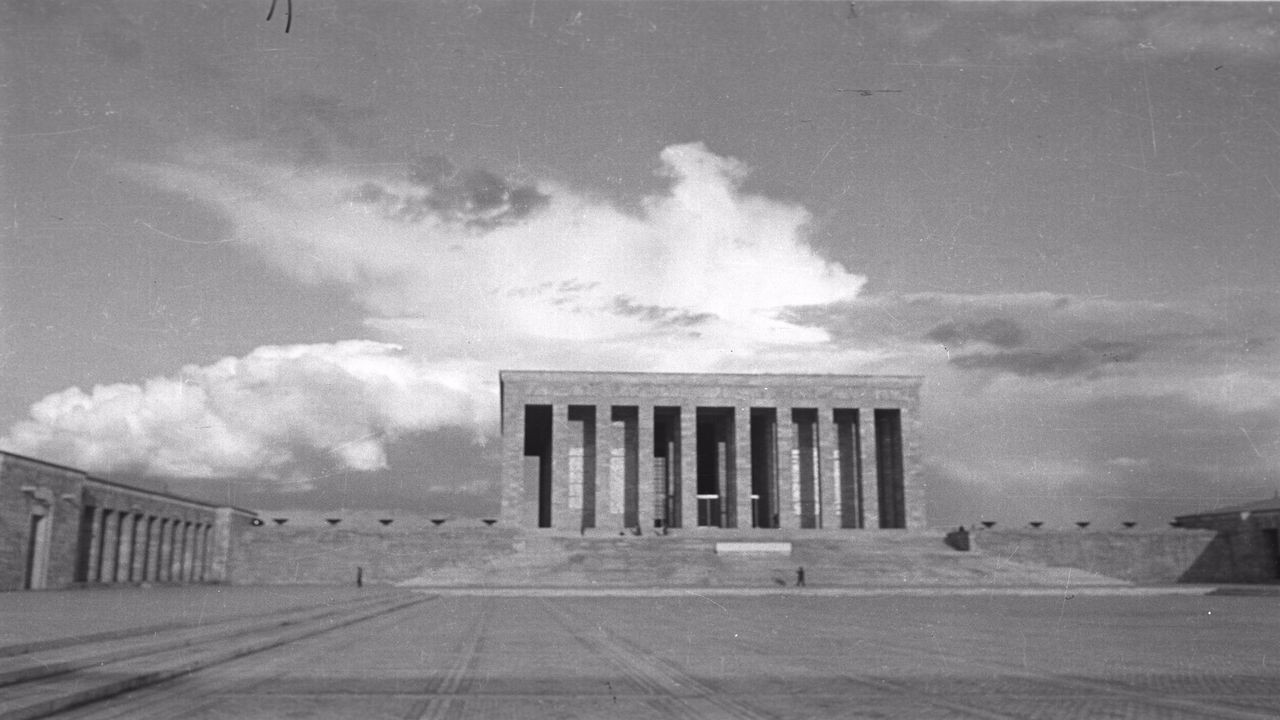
110 545
575 477
724 498
124 547
171 546
138 570
220 549
515 499
95 547
193 555
688 466
788 490
177 548
160 574
606 518
153 551
914 486
197 550
644 446
829 484
617 468
189 551
561 517
206 553
867 466
672 498
742 465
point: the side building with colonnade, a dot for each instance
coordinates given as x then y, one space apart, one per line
61 527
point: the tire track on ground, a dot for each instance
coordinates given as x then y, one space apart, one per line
678 694
444 689
1071 690
1076 687
205 690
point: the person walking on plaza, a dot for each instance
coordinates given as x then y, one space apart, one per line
800 576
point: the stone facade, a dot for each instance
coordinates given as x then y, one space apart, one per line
1246 547
642 451
60 526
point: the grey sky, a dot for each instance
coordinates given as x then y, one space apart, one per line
1063 215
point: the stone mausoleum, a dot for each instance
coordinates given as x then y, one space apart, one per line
649 451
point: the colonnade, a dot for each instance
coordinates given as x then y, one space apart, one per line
656 466
120 546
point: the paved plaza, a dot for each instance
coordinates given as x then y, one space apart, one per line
688 654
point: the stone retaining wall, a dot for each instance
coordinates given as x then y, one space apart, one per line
285 555
1155 556
450 555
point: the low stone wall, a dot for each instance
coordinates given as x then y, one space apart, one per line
286 555
453 555
1159 556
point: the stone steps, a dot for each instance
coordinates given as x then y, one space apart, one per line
52 679
851 559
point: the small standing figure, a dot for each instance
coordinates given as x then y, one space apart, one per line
359 577
800 576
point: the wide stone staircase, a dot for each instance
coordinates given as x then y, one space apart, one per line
854 559
42 678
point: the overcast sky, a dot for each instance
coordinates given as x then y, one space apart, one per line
284 269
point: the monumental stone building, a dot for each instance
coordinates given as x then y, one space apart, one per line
645 451
1246 547
61 527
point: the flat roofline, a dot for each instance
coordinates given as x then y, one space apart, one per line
615 373
122 486
46 463
1227 513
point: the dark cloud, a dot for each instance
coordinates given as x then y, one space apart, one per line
1078 359
1000 332
475 198
623 305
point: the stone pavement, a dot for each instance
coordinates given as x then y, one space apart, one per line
783 656
35 617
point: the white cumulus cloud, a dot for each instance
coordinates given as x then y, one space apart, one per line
250 415
469 274
703 256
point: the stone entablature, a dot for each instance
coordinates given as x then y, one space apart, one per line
672 450
675 388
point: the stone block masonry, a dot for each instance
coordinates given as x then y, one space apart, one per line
644 452
60 526
1141 556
